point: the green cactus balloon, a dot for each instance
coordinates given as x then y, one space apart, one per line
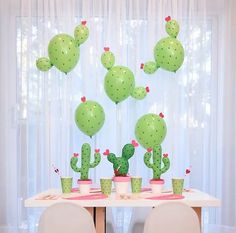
150 67
119 82
85 161
43 64
108 59
63 50
172 27
140 92
156 165
121 164
150 130
81 33
168 52
89 117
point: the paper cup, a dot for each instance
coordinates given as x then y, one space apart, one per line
136 184
66 184
177 186
106 184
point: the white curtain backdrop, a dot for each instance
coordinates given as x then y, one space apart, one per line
37 125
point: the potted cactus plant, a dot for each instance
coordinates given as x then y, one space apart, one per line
156 154
121 166
84 182
150 131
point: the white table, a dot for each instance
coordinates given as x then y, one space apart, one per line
194 198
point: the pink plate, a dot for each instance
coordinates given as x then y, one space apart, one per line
87 197
166 197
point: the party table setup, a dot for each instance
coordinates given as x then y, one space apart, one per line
150 131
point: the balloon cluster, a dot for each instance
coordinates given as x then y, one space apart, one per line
63 50
119 81
168 52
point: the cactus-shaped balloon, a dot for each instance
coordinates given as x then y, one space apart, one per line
119 82
63 50
168 52
89 116
155 155
121 164
140 93
150 130
85 161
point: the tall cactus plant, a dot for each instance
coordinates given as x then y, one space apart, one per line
85 161
157 159
121 164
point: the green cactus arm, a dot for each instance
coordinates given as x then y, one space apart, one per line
147 157
111 158
128 151
166 162
122 166
150 67
73 162
97 159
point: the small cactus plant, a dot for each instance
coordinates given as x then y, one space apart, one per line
121 164
85 161
119 81
168 52
157 159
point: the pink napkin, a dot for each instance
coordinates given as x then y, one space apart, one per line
88 197
145 189
48 197
166 197
75 190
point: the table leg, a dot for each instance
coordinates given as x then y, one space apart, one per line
198 211
90 210
100 219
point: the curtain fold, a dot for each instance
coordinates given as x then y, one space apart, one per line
37 109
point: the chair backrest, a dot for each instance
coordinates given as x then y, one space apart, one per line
66 218
172 217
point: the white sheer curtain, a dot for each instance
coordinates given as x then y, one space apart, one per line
37 109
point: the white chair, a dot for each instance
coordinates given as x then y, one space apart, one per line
172 217
66 218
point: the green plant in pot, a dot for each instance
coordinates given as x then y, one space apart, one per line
150 131
121 166
84 181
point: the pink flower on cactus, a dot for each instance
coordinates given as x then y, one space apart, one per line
107 152
149 150
161 115
134 143
168 18
83 99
